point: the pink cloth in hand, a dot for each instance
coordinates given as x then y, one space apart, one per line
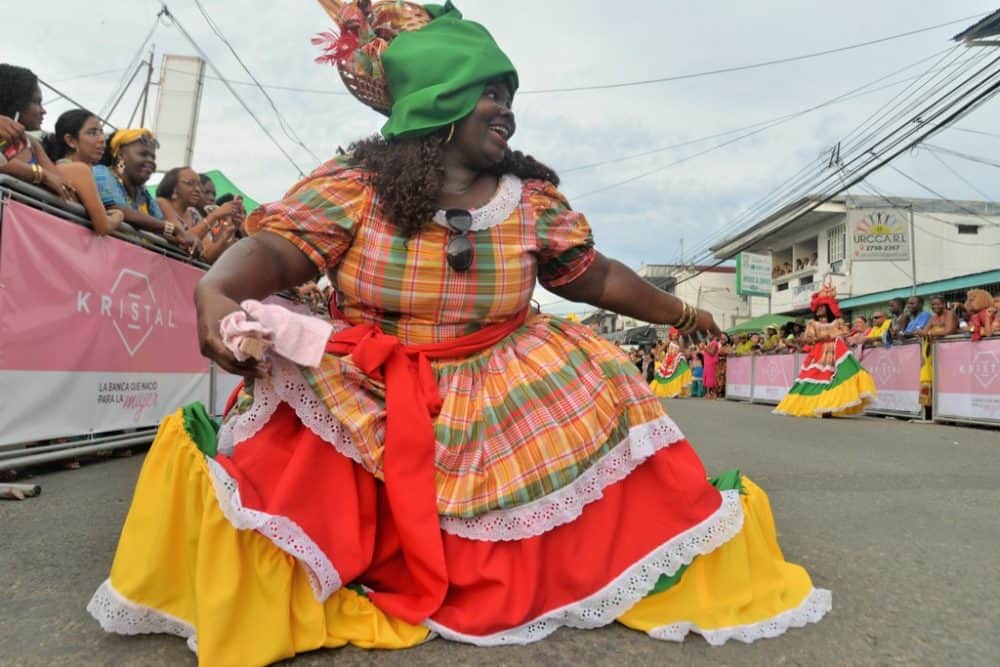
298 338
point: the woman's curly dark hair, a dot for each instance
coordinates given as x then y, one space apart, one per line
17 85
408 174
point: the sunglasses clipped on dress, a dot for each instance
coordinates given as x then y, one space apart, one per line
460 252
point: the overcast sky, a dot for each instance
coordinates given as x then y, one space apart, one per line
555 44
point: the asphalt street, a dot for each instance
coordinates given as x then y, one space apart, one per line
900 520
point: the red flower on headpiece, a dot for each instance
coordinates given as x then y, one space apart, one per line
826 296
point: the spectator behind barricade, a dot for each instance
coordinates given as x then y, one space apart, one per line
121 180
222 236
179 196
772 340
900 318
749 346
978 303
208 194
918 316
880 327
77 145
859 331
22 155
996 314
942 322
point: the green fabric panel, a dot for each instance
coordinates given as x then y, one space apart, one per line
665 582
437 74
201 428
682 367
847 369
357 588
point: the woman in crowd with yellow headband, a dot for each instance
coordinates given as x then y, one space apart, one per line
448 461
121 179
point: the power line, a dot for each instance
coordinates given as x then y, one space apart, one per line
893 139
985 134
850 95
766 125
287 129
894 150
204 56
959 176
119 90
740 68
69 99
959 154
940 196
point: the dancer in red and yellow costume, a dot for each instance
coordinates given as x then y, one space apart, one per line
449 463
831 381
673 374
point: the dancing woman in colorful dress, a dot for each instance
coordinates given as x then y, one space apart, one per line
673 373
831 381
440 461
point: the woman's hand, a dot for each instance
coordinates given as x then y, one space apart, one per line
11 131
116 218
54 181
212 307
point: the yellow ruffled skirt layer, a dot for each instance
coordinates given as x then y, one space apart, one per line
744 590
850 397
679 386
183 568
181 565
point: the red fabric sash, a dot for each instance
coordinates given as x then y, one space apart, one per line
412 400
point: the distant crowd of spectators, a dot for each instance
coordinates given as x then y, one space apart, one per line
108 174
802 263
978 316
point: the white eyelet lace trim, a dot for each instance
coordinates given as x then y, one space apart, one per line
286 383
498 209
124 617
813 608
566 504
282 531
628 588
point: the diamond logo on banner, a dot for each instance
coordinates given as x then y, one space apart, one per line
986 368
135 297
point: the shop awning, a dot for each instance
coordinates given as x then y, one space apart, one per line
760 323
926 289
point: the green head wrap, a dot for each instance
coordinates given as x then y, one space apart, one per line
437 74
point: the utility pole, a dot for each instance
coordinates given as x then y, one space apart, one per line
149 80
913 255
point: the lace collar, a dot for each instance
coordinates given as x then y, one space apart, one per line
496 210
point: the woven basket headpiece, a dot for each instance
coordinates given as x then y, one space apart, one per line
364 32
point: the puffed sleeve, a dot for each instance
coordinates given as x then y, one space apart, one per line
318 215
563 236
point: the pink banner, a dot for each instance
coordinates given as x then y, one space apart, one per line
738 374
73 300
773 376
96 334
967 380
896 372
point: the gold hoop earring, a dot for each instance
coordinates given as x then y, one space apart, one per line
451 133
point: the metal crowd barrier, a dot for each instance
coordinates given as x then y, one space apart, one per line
965 387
